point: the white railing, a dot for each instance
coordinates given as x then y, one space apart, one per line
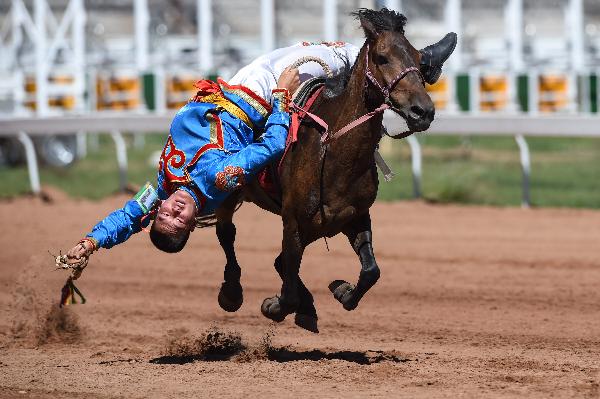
515 125
518 126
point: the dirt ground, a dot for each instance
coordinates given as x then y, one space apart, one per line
472 302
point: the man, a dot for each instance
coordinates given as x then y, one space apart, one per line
262 73
211 150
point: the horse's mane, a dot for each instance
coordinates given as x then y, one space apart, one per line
382 20
335 85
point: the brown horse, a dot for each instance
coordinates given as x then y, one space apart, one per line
328 189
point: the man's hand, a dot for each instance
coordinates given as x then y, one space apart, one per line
289 79
81 250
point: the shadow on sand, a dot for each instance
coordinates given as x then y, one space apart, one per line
368 357
283 355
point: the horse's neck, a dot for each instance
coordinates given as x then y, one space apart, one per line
353 103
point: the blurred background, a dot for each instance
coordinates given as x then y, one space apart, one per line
529 59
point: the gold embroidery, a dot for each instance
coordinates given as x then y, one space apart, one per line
224 103
231 178
213 128
283 99
249 99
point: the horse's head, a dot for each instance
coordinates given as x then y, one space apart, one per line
392 68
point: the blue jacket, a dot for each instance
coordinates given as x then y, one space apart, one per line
210 152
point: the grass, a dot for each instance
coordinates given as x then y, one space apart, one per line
486 170
477 170
93 177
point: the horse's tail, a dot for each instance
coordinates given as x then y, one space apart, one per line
206 221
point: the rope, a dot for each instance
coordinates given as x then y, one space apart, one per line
310 58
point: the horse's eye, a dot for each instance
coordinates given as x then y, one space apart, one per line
381 60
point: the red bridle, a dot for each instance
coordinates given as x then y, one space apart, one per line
328 137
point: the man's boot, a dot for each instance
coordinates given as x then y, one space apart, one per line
434 56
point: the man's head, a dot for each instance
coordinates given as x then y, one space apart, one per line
174 222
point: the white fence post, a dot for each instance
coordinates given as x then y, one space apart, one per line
526 169
330 20
267 19
41 57
416 162
205 21
32 165
121 148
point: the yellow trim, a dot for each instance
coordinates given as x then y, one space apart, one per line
251 101
213 128
283 99
224 103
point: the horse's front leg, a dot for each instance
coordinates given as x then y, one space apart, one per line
278 307
231 293
360 237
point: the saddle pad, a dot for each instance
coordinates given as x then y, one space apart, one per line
306 90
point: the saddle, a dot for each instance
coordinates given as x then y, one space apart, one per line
305 96
306 90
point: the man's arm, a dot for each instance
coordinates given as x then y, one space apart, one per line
271 145
117 227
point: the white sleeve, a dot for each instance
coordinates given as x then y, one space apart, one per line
258 77
262 74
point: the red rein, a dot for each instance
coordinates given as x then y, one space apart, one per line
328 137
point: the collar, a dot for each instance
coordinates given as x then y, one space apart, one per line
194 196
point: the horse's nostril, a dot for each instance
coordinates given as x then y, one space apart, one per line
418 111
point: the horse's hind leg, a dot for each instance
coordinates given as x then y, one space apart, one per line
278 307
360 237
231 294
306 314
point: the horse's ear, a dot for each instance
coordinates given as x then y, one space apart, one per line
368 28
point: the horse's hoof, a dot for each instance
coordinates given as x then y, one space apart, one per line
342 291
273 309
308 322
231 296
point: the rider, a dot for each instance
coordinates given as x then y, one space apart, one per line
222 138
261 74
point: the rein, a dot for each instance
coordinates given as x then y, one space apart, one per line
327 137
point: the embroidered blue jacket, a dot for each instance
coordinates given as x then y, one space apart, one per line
210 152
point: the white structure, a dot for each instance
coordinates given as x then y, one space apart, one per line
267 19
205 37
59 47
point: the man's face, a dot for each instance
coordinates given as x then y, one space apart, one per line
177 213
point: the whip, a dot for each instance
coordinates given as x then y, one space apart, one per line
69 290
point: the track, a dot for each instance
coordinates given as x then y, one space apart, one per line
483 302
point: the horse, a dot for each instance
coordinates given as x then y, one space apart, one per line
329 185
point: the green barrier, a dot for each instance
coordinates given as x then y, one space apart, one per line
594 93
523 92
462 91
149 81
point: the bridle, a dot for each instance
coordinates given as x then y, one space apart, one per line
386 90
328 137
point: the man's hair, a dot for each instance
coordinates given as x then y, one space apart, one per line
168 242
